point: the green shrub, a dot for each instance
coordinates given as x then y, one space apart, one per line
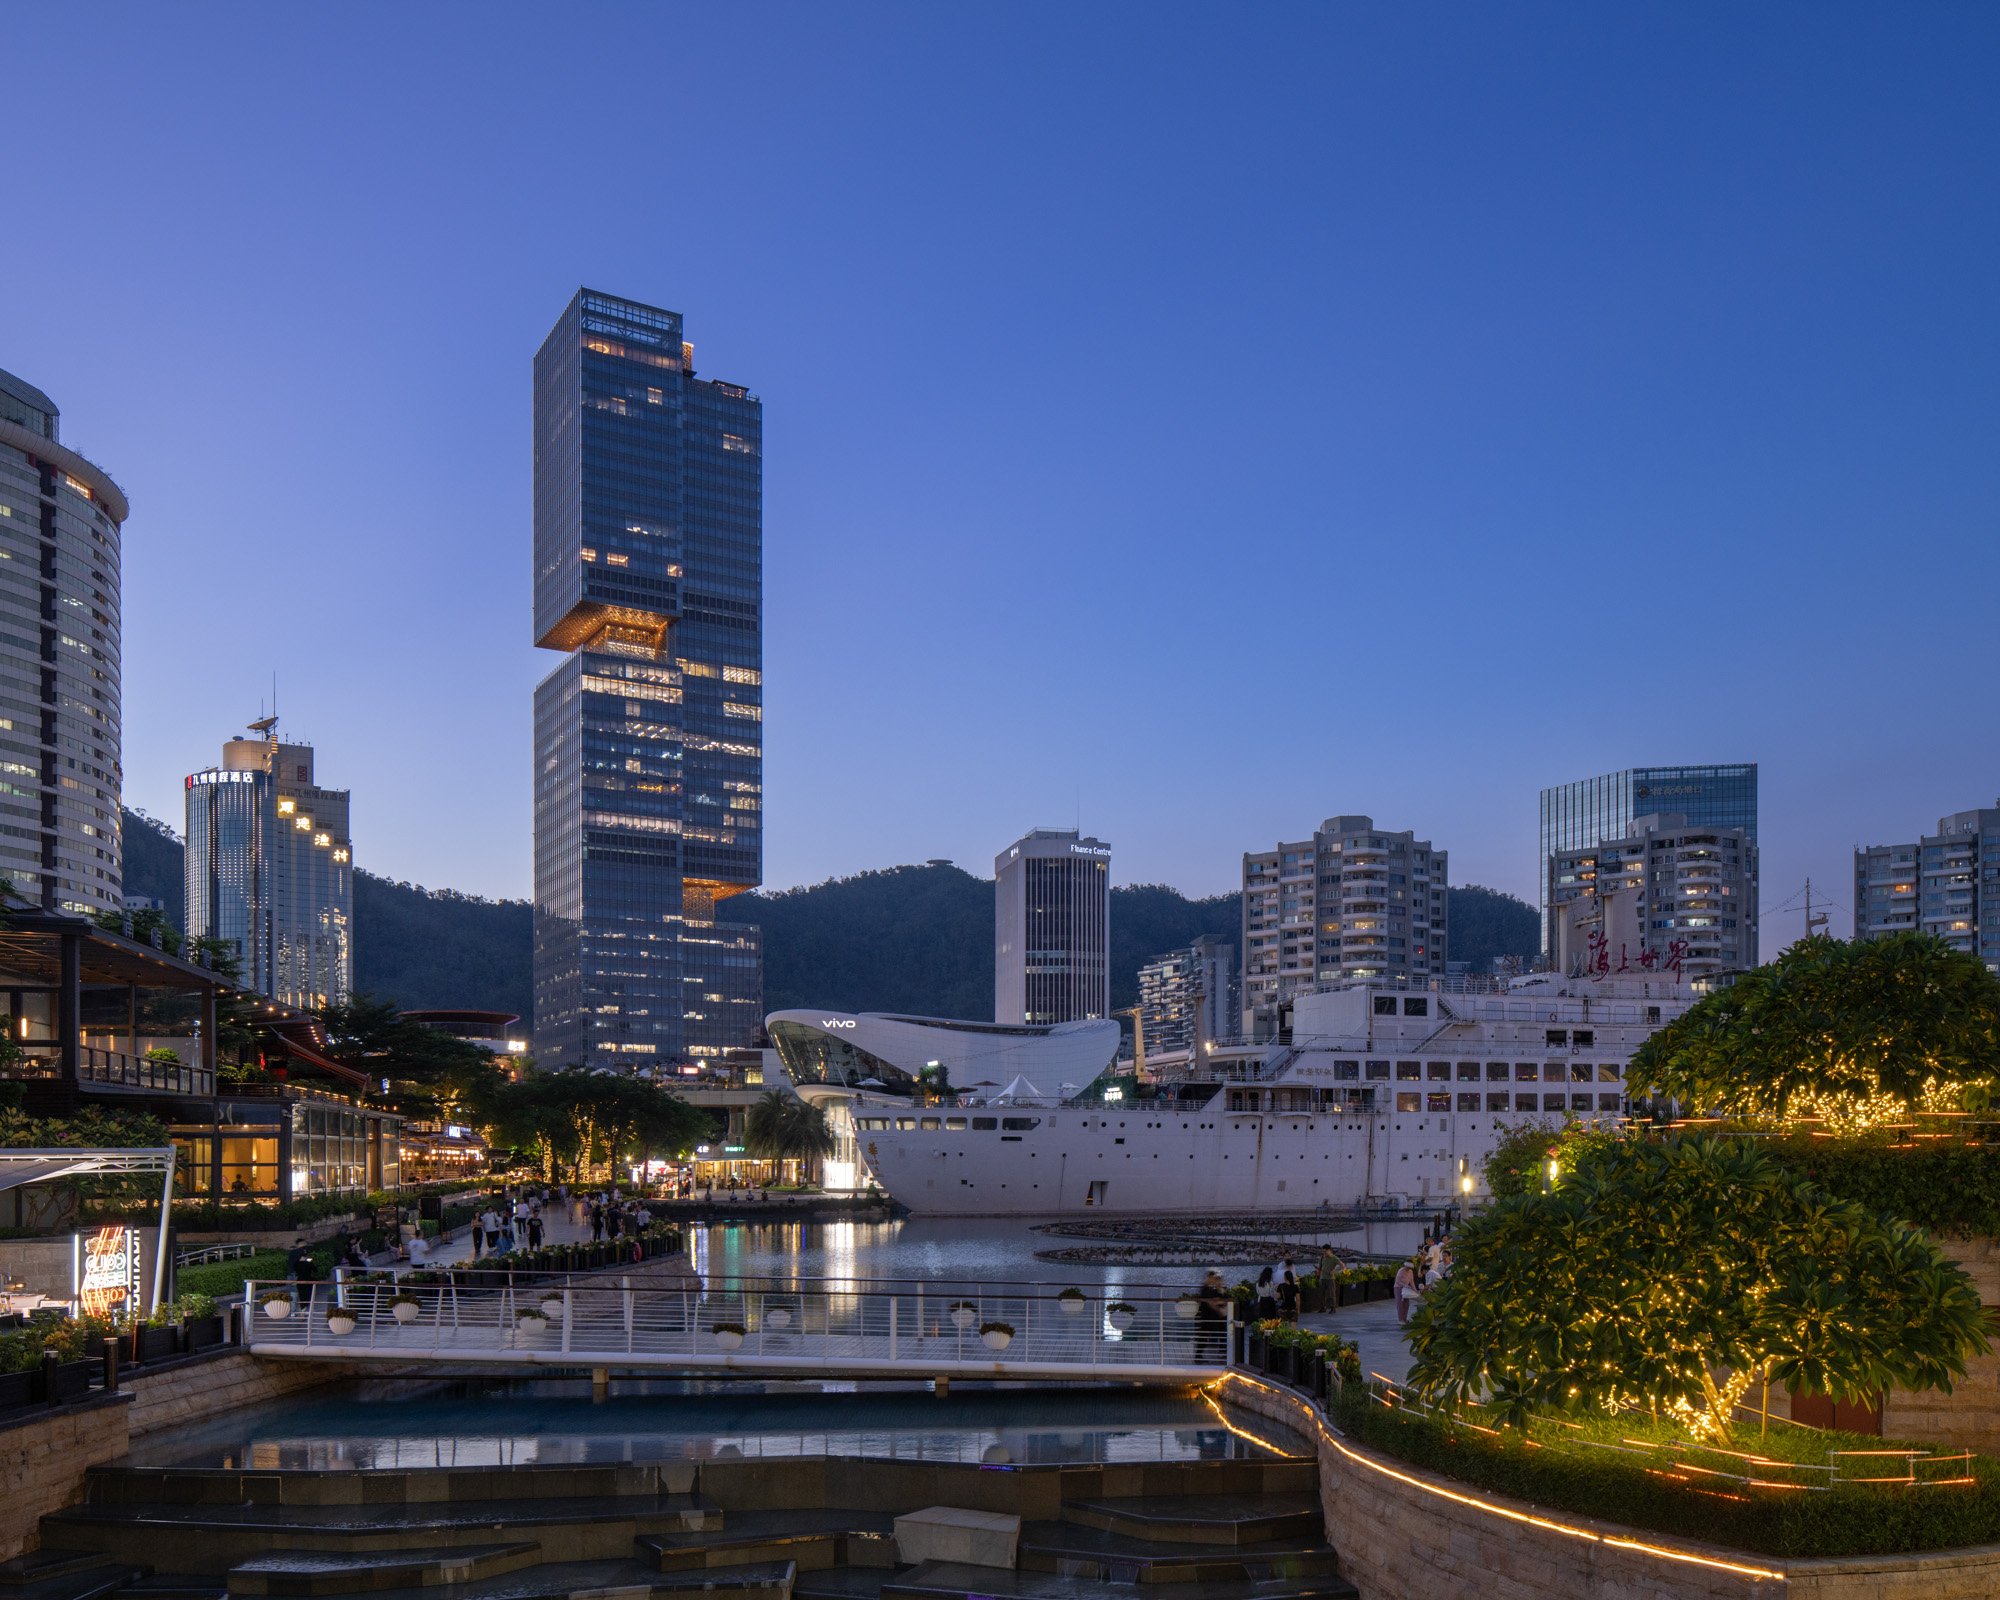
1844 1521
224 1280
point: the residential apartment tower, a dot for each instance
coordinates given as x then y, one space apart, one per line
1353 901
1586 813
1662 898
1946 883
60 528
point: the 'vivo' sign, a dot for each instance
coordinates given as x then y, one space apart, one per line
836 1022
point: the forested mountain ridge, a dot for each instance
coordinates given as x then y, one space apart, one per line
910 939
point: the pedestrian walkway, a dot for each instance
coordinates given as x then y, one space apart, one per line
1372 1328
556 1229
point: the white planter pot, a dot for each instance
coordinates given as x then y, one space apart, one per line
1073 1308
531 1327
777 1319
405 1312
996 1340
340 1323
1185 1309
963 1319
552 1308
729 1338
1121 1320
277 1310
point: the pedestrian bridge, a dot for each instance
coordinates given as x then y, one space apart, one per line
812 1328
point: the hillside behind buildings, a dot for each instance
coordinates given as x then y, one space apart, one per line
910 939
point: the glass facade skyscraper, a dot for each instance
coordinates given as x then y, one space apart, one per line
1586 813
648 505
270 870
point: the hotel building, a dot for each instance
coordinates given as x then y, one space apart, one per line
1946 883
1664 897
60 774
270 869
648 511
1353 901
1052 929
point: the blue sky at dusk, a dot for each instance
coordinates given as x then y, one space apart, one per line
1198 421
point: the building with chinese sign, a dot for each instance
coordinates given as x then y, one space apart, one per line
1664 896
1946 883
270 869
1354 901
1583 814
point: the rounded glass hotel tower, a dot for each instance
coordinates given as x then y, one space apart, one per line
60 777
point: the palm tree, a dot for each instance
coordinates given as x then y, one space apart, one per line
782 1127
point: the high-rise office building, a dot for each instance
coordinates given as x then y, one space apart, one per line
270 869
60 773
1052 928
1946 883
649 751
1353 901
1662 897
1584 814
1190 995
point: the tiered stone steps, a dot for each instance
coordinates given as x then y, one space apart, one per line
802 1528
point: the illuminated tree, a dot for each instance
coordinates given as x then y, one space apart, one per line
1671 1276
1852 1035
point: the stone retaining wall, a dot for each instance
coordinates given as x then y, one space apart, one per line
43 1459
1407 1534
196 1390
45 1455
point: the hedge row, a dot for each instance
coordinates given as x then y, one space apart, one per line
1845 1521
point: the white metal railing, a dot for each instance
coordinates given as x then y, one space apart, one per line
213 1252
814 1326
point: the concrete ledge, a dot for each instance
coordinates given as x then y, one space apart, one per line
965 1538
1407 1534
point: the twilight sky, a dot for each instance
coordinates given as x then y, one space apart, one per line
1196 420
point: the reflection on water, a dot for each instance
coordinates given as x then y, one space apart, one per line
495 1423
962 1252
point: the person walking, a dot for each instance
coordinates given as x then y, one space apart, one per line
1211 1319
304 1271
596 1222
1267 1299
535 1229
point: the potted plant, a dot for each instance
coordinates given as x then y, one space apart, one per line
552 1306
1121 1315
729 1335
277 1305
530 1321
998 1335
1072 1302
405 1306
340 1321
778 1317
1187 1306
153 1341
963 1314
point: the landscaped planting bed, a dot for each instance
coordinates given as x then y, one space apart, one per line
1761 1490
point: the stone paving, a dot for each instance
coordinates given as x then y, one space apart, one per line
1372 1328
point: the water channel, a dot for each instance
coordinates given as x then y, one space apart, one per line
967 1251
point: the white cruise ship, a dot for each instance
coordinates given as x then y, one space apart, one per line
1384 1096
